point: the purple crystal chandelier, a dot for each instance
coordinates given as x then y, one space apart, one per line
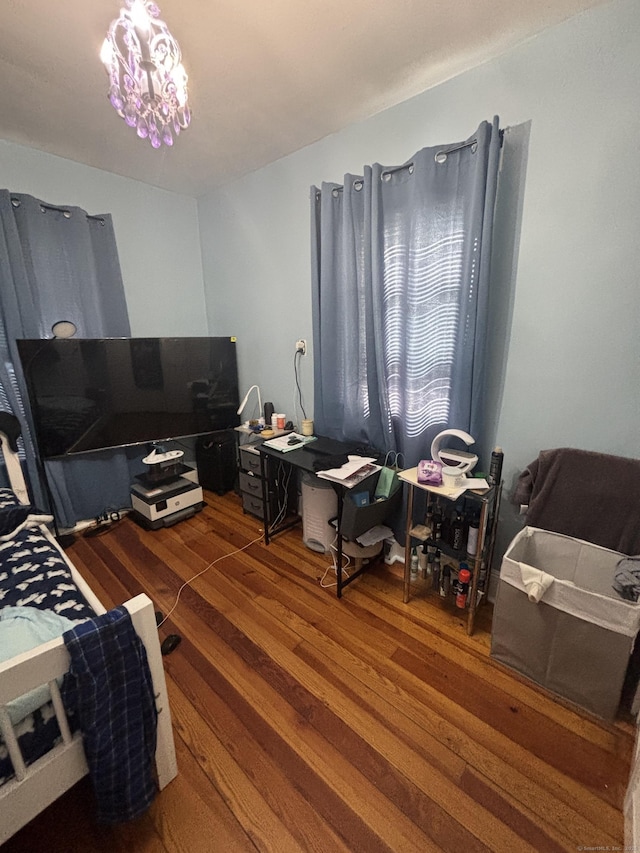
147 81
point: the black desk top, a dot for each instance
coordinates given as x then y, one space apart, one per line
305 456
301 458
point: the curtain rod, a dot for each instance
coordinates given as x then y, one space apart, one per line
440 156
444 152
65 211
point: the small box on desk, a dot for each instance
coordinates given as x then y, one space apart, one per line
358 518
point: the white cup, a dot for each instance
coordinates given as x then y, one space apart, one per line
452 478
307 426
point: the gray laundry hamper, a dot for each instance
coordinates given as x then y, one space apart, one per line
576 641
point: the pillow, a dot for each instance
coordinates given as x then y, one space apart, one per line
12 516
22 629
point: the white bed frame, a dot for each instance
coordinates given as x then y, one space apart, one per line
35 787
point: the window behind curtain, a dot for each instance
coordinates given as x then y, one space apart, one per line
400 275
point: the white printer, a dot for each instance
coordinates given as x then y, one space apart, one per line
168 493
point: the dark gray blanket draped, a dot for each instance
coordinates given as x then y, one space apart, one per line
588 495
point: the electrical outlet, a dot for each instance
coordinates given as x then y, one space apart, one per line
301 346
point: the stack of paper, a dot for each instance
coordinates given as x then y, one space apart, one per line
290 441
357 469
374 535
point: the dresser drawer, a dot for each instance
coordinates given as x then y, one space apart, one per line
252 505
250 485
251 491
249 461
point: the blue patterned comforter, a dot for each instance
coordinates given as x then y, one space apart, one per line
34 573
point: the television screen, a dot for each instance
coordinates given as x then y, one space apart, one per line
94 394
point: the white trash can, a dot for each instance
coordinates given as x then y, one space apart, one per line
319 505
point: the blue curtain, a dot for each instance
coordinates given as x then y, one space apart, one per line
59 264
400 279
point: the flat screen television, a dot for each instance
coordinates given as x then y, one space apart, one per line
88 395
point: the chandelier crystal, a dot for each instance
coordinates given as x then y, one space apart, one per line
147 81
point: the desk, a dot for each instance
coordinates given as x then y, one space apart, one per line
302 460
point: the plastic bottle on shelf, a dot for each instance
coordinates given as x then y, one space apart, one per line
414 564
445 581
464 576
429 568
461 566
495 468
422 560
436 571
482 576
472 536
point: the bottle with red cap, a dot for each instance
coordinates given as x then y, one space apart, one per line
464 576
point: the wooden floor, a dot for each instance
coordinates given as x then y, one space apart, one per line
311 724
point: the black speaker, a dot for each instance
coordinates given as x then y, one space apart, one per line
217 461
268 411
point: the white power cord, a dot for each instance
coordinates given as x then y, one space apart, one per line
284 482
195 577
334 565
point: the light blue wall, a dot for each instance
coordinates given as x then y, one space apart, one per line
569 310
156 233
566 351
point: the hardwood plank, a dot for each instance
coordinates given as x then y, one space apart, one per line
410 631
432 735
212 811
186 821
438 704
383 762
366 818
260 823
447 715
594 768
349 676
68 826
304 722
526 823
201 708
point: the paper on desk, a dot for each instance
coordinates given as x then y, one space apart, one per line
290 441
376 534
347 473
476 483
354 464
471 484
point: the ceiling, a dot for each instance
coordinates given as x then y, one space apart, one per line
266 77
